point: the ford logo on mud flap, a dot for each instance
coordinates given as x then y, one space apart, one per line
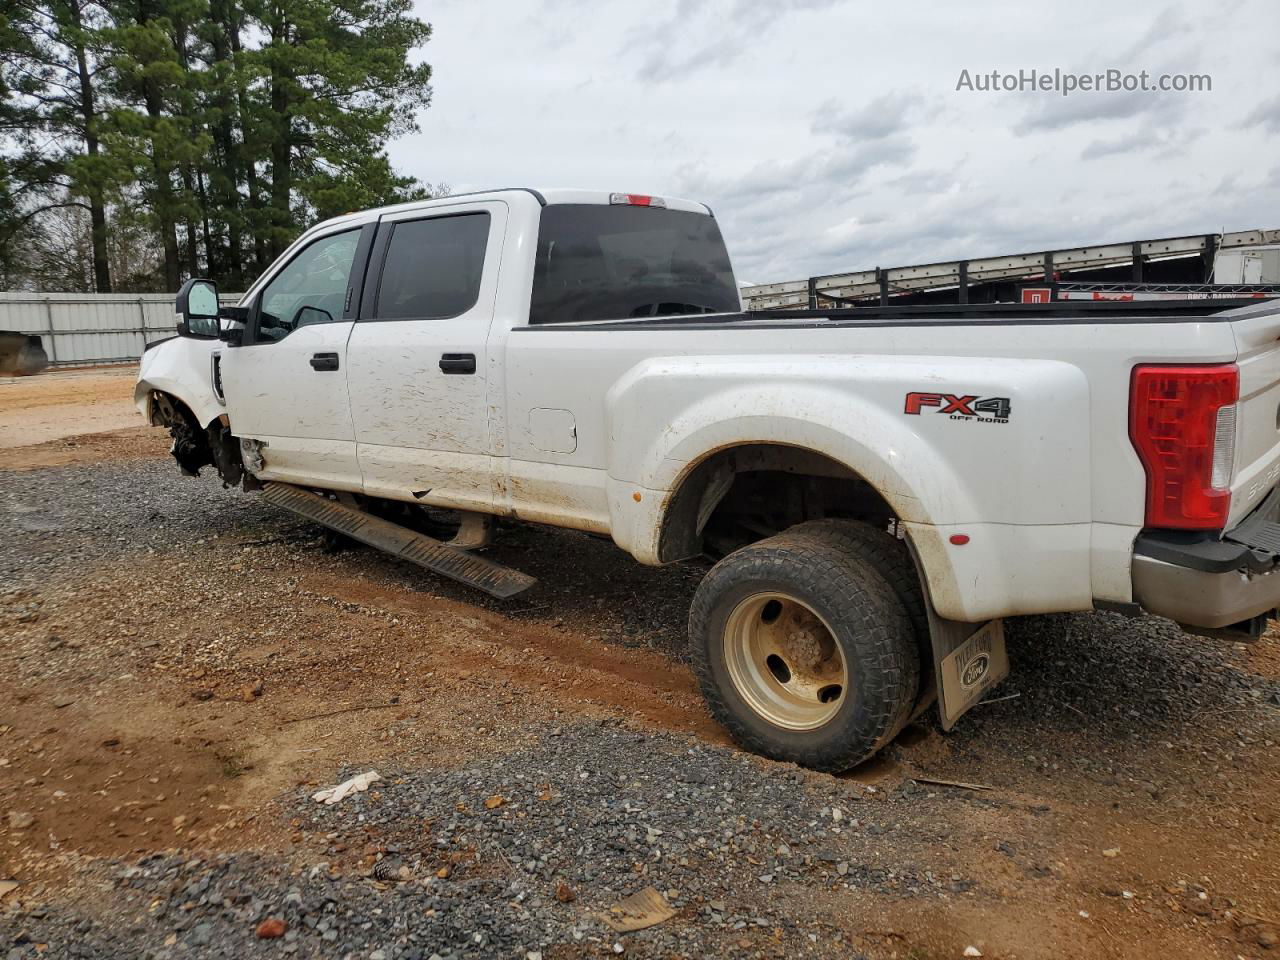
975 670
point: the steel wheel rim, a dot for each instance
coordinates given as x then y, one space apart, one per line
784 661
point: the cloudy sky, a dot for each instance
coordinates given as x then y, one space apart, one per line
829 135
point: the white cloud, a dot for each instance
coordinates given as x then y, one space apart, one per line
1266 115
829 136
707 34
1136 141
1056 112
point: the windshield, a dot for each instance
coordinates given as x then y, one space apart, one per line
598 262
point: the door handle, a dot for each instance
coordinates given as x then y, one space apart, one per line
324 361
458 363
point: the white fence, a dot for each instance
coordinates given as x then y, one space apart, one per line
92 328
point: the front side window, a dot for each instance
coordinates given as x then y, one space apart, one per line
311 289
433 267
614 261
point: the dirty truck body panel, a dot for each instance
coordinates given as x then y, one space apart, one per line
181 367
1002 444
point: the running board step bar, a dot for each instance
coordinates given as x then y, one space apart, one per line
493 578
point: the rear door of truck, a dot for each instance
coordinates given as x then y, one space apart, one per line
417 358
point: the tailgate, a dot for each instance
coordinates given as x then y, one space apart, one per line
1257 460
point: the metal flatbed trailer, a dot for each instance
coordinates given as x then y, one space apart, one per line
1185 266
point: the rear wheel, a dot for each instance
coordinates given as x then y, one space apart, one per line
889 557
803 650
783 660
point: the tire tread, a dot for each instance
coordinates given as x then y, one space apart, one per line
828 561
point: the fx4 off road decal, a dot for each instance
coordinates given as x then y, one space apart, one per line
979 410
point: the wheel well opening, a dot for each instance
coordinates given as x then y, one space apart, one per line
166 410
743 494
194 446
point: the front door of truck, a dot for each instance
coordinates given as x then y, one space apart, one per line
418 361
286 384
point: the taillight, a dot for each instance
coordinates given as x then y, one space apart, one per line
1182 421
637 200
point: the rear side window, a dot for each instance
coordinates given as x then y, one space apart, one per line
611 262
432 268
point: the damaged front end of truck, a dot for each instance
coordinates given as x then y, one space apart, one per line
178 389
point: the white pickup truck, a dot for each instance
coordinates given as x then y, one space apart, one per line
879 486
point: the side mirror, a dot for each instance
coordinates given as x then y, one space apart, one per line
307 315
197 308
234 321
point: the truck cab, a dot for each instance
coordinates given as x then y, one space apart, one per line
372 355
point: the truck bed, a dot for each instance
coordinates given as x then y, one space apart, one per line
924 315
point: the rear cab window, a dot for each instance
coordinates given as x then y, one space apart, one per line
433 267
618 261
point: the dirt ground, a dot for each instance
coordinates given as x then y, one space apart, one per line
162 694
66 403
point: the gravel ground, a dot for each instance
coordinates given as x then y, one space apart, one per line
55 522
1130 808
588 816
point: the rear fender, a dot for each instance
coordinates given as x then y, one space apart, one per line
1029 467
940 473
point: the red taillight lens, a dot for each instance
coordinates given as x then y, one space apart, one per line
637 200
1182 423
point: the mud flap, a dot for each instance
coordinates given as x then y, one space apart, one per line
493 578
968 660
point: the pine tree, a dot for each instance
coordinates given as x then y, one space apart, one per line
152 129
207 132
226 172
54 116
339 85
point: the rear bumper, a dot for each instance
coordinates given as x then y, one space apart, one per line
1211 583
1199 599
